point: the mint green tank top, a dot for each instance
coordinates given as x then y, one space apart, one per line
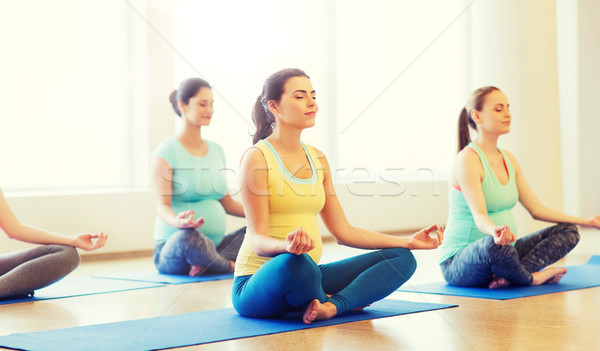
198 184
499 199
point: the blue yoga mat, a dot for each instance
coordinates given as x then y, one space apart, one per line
577 277
153 276
190 329
76 286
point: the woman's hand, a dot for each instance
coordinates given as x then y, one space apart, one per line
89 242
503 235
298 242
594 222
422 239
185 219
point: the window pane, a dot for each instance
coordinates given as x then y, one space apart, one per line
394 71
63 97
235 46
399 88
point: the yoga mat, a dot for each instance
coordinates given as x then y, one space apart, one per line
190 329
76 286
577 277
153 276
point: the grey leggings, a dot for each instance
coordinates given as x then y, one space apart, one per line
25 271
190 247
478 263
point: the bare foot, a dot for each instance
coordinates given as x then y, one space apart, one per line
310 313
556 278
317 311
196 271
498 282
550 275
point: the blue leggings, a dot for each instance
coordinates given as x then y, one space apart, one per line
288 282
478 263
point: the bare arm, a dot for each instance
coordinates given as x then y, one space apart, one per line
255 199
540 211
469 174
162 177
23 232
336 222
231 206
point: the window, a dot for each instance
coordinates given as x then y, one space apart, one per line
400 85
390 76
235 46
64 97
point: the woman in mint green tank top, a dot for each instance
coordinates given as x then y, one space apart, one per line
481 247
191 192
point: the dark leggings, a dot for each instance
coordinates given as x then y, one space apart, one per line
23 272
289 282
478 263
190 247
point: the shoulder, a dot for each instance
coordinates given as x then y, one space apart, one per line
314 150
467 156
215 147
318 154
167 143
166 149
254 169
253 157
512 159
510 156
467 165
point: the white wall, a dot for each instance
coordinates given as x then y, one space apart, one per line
127 217
579 77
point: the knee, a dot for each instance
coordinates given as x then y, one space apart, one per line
69 257
300 267
571 233
404 259
191 237
497 251
491 245
489 241
409 264
186 234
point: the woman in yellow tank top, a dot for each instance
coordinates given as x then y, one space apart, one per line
285 184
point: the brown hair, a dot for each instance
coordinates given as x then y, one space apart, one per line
475 102
272 90
187 90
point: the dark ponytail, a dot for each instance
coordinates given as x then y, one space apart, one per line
272 90
263 120
465 120
187 90
464 135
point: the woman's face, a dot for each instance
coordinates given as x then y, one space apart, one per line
199 110
495 115
297 106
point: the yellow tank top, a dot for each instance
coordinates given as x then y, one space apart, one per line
293 202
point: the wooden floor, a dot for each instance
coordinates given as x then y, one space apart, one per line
561 321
